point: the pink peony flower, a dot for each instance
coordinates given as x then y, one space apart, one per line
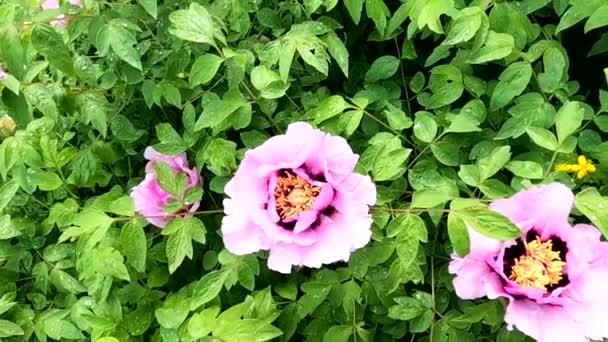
554 275
61 21
296 195
149 198
2 74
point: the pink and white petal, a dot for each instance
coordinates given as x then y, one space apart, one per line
356 227
277 234
544 323
361 187
289 150
339 159
246 186
49 4
282 257
474 278
480 245
545 203
177 162
241 236
331 245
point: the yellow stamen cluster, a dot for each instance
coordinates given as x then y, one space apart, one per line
7 125
540 267
293 194
584 167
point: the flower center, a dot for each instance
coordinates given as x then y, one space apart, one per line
293 194
539 267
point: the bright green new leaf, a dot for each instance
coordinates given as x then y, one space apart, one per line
599 18
428 199
464 27
338 333
207 288
568 119
354 7
133 243
496 46
8 329
328 108
123 44
593 206
525 169
458 233
543 138
150 6
425 127
198 25
204 69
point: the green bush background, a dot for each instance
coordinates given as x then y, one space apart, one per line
450 104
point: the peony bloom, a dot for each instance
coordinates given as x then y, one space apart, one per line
296 195
2 74
54 4
149 198
553 276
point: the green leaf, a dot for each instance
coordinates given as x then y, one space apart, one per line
11 49
173 312
464 27
123 44
328 108
8 328
134 244
202 323
122 206
218 110
207 288
525 169
46 181
42 98
166 178
198 25
170 141
425 127
397 118
49 44
491 164
496 46
150 6
377 11
204 69
417 82
406 309
593 206
382 68
542 138
181 233
7 192
512 82
354 7
428 199
459 236
489 223
568 119
338 333
431 13
219 155
338 51
599 18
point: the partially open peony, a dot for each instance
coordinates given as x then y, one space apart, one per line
296 195
150 199
553 276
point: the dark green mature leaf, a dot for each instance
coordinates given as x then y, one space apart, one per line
464 27
489 223
50 44
382 68
354 7
150 6
329 108
11 49
458 233
123 44
207 288
512 82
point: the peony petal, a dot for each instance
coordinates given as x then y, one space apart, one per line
474 278
333 244
480 245
283 257
178 162
542 204
246 187
544 323
242 238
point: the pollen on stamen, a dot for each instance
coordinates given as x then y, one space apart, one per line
539 267
293 194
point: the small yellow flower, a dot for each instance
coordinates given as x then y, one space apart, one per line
7 126
584 167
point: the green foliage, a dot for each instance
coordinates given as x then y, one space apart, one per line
450 104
